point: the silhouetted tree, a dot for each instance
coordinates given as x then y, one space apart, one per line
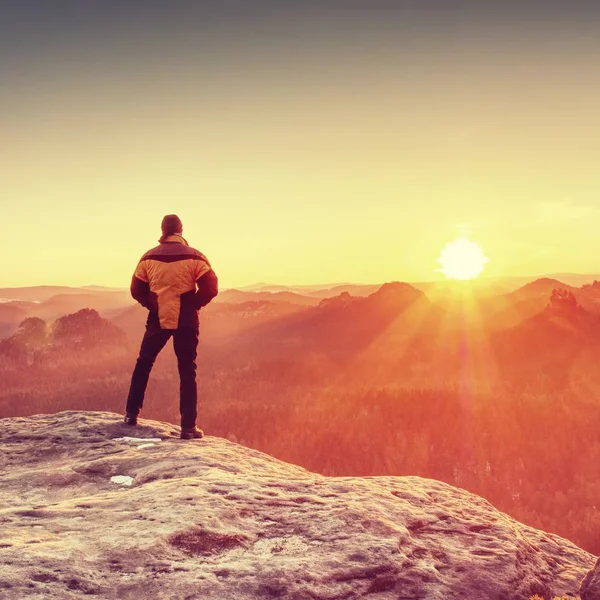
85 329
32 333
563 300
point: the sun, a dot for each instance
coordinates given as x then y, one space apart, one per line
462 259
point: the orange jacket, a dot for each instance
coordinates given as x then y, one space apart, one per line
173 281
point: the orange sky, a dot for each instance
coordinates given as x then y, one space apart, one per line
300 148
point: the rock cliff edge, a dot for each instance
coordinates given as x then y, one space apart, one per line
87 511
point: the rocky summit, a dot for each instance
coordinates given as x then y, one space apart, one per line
90 507
590 588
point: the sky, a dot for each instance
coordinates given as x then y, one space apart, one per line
300 143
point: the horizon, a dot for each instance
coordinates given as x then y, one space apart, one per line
329 284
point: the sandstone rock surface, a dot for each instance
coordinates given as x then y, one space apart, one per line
590 588
209 519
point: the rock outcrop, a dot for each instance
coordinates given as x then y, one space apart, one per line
91 507
590 588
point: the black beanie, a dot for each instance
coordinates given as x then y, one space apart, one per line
171 224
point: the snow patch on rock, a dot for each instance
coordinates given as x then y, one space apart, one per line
122 479
135 440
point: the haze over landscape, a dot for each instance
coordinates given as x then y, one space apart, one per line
401 202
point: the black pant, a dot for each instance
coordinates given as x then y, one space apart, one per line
185 342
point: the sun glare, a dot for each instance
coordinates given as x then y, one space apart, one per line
462 259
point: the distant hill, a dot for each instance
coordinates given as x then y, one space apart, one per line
38 293
552 342
299 312
10 317
217 320
234 296
341 324
484 285
131 320
316 291
64 304
103 288
588 296
302 289
574 279
353 289
44 302
508 310
345 326
85 330
70 336
541 287
400 325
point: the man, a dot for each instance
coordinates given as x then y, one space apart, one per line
173 281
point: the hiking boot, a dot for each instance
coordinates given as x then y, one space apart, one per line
191 433
130 419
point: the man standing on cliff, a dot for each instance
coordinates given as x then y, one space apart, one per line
173 281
